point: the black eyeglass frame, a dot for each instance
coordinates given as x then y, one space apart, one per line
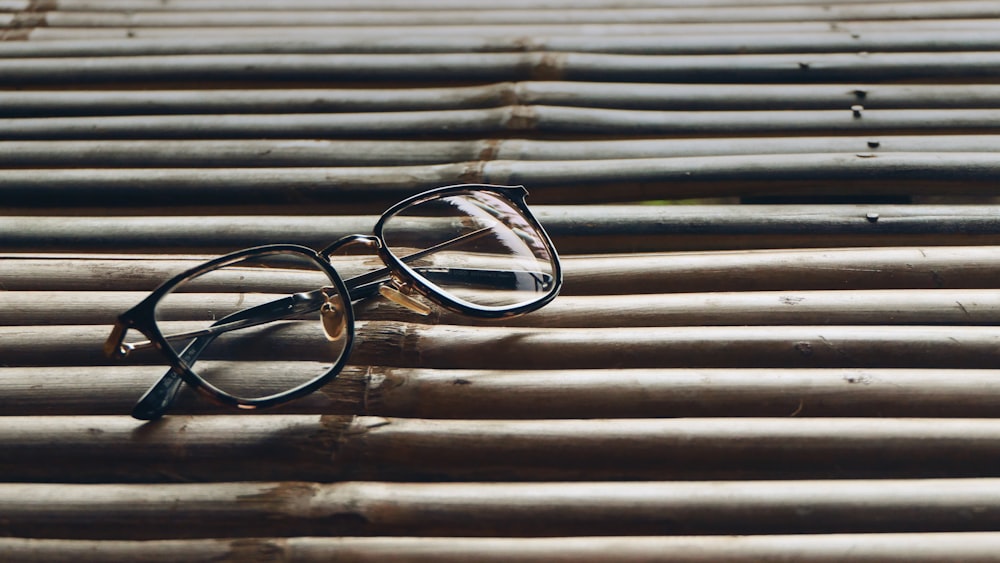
142 317
515 195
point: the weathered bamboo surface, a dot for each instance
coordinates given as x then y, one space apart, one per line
891 547
575 229
945 267
348 40
504 16
834 307
48 103
816 67
489 509
779 332
342 448
561 393
361 189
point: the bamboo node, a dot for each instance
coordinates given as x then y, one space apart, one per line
550 66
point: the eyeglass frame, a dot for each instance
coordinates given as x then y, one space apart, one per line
142 316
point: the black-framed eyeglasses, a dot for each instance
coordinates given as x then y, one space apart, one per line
265 325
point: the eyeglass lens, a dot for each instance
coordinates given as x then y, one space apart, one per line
485 251
293 337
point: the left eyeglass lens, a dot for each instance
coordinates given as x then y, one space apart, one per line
473 246
264 325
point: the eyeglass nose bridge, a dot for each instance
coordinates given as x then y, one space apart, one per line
370 241
385 279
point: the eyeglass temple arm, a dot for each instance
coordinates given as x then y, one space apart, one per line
155 401
366 285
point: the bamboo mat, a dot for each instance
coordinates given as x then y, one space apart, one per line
777 338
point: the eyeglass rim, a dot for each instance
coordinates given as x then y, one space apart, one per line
142 317
515 195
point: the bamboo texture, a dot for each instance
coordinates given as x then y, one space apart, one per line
524 394
247 17
853 307
814 67
891 547
253 509
339 448
777 338
645 96
314 153
741 42
25 30
948 267
361 189
575 229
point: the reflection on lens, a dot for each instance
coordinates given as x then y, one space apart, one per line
255 328
474 246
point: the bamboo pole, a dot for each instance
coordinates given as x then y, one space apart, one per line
641 96
348 5
27 32
951 267
846 307
361 189
886 40
338 448
445 67
366 189
597 123
195 153
116 511
972 547
575 229
506 16
455 347
527 394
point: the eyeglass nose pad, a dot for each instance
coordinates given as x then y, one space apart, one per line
400 298
332 315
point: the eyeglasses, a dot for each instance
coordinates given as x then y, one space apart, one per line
266 325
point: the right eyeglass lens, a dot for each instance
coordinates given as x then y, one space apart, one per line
262 326
475 246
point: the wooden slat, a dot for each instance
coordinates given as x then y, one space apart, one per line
338 448
845 307
972 547
502 16
574 229
953 66
949 267
453 347
515 120
26 31
639 96
194 153
251 509
745 42
527 394
364 188
299 5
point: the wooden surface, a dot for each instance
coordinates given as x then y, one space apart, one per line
808 378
